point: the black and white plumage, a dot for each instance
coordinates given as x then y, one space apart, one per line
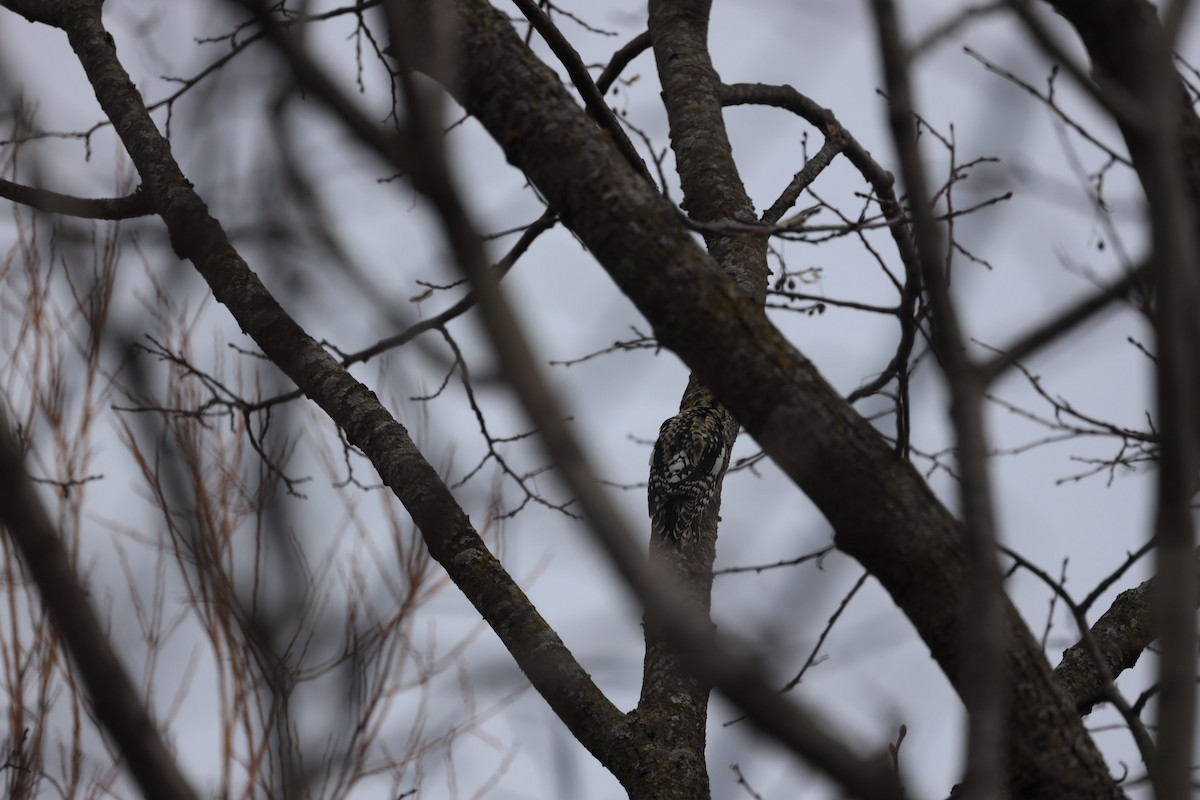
688 459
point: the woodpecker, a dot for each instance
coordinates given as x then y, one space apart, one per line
687 462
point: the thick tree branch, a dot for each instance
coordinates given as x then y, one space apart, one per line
712 187
1122 633
1098 663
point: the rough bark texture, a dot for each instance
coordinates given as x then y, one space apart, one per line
673 705
1121 633
712 187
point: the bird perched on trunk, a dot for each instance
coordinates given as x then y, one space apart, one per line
688 459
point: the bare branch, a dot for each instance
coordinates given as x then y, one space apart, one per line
833 618
1048 100
451 539
715 661
134 205
1134 71
985 685
952 25
117 704
1055 329
593 96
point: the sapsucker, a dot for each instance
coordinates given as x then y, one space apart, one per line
688 459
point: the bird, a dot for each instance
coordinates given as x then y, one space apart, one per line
686 464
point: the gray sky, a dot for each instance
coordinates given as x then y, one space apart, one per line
1041 246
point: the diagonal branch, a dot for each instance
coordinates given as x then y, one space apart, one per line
593 96
451 539
1054 329
1122 634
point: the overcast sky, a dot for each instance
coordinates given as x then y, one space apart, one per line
1043 248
